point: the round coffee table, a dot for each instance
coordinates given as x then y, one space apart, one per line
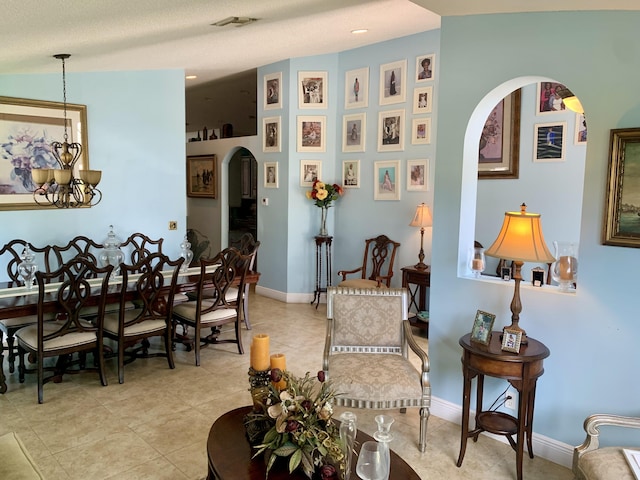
230 454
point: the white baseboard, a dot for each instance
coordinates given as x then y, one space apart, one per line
287 297
544 447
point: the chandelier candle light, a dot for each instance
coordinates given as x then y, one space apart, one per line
520 240
59 187
422 219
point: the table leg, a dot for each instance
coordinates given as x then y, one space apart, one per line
3 382
466 403
531 403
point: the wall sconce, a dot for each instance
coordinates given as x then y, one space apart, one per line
520 240
422 218
59 187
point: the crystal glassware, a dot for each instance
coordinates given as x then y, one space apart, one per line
383 435
348 432
564 270
477 261
371 462
186 253
111 253
27 268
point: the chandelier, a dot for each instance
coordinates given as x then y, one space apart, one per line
59 187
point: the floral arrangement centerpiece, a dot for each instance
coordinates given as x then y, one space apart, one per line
301 426
323 195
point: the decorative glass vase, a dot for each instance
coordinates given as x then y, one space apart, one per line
111 253
323 222
564 270
186 253
348 432
27 268
477 261
384 436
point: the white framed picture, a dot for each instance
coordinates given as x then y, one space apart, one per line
270 174
421 131
312 90
272 91
386 180
351 173
425 67
271 132
422 100
393 81
356 88
418 175
311 133
310 171
391 131
581 130
549 142
354 128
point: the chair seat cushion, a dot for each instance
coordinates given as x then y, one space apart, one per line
361 283
112 324
605 463
29 336
391 381
18 322
15 461
187 311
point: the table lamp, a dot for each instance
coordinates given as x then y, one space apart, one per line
520 240
421 219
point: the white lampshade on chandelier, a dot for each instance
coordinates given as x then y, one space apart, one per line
60 187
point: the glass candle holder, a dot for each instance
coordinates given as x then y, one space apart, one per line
477 261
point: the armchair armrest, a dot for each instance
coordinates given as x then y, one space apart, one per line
327 347
592 426
413 345
344 273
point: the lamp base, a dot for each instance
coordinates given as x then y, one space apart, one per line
421 266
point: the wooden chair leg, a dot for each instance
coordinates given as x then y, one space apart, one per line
40 368
168 349
12 355
100 354
121 360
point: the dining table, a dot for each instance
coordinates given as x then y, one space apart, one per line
17 300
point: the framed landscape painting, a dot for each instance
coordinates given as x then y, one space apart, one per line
201 176
27 129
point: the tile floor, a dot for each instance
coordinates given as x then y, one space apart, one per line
155 425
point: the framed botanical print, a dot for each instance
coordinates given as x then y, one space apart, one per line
499 148
272 93
386 180
356 88
271 132
201 176
393 81
417 175
391 131
351 174
311 133
312 90
549 142
354 129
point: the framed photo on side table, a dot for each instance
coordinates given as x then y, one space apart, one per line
201 176
482 325
511 340
499 148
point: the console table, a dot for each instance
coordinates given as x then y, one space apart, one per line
230 455
521 370
421 280
320 255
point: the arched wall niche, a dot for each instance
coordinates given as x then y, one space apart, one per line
553 189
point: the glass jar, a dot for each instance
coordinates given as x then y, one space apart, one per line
477 261
564 270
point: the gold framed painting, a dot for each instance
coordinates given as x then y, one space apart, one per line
201 176
27 129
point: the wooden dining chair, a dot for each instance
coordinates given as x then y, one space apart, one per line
11 255
377 265
217 275
83 283
151 282
77 246
138 246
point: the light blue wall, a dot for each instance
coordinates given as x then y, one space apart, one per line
135 129
593 334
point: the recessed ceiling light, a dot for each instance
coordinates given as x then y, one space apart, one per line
191 77
359 30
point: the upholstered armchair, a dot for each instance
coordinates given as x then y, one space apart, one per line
366 353
377 265
593 463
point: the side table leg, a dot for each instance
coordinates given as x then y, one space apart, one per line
529 426
3 381
466 403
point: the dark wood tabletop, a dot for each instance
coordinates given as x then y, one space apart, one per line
230 454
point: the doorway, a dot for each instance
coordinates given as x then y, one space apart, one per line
243 193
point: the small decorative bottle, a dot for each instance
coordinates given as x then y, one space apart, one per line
348 432
384 436
186 253
111 253
27 268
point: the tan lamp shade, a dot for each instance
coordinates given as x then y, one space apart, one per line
422 218
521 239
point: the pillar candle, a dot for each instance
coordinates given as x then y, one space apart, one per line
260 352
278 361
